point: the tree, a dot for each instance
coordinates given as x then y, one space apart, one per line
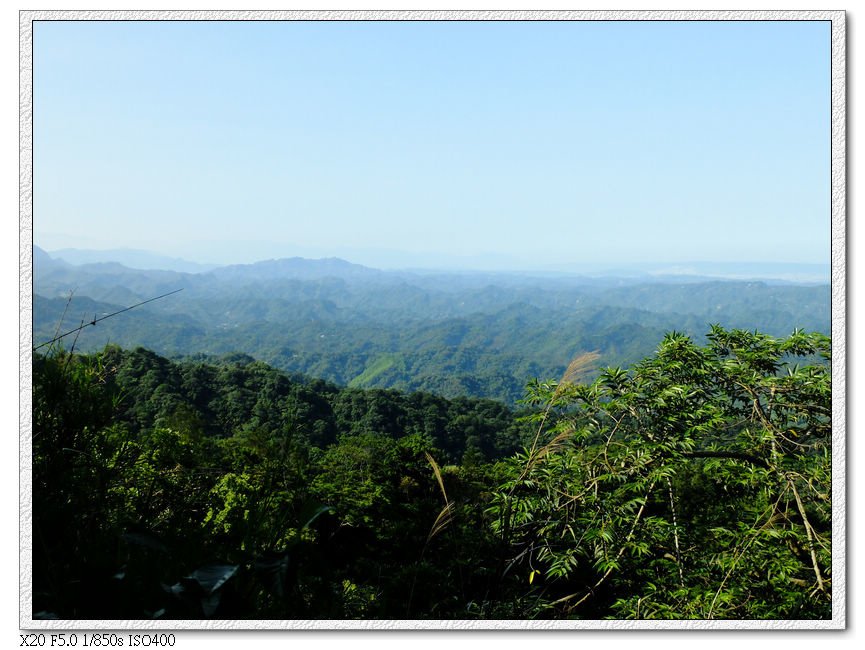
695 485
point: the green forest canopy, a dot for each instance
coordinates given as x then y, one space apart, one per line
694 484
452 335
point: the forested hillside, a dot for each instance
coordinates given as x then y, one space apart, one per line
512 315
694 484
482 335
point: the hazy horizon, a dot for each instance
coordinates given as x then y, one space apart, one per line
137 258
391 259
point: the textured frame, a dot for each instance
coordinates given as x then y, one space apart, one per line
838 292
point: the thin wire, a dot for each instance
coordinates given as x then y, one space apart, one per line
96 320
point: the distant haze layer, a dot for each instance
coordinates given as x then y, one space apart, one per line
790 272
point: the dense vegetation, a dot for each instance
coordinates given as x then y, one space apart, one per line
455 335
695 484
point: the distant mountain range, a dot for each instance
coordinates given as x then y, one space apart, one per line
469 333
299 267
129 257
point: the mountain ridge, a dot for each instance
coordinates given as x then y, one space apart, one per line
307 267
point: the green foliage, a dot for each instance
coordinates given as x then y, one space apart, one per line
695 485
311 501
459 335
72 467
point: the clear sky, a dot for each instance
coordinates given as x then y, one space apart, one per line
475 144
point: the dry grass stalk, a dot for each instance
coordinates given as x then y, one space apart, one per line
438 474
576 371
446 514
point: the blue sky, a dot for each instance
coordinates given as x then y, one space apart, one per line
475 144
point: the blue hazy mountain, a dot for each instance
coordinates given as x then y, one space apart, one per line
481 333
307 267
131 258
296 267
